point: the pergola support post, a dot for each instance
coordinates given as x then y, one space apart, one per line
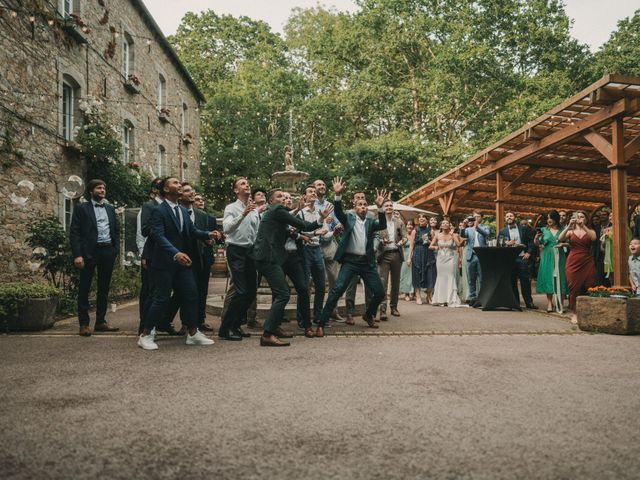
619 204
499 202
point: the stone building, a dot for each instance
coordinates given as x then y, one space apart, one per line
55 54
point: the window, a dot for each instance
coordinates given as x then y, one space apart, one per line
127 55
162 91
127 142
163 168
67 7
185 120
66 212
70 96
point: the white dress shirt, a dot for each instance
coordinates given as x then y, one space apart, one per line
102 222
358 242
238 229
179 214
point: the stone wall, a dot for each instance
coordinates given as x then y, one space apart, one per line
36 53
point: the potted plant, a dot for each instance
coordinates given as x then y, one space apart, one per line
609 310
27 306
76 28
132 84
163 114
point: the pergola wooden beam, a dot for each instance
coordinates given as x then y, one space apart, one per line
520 179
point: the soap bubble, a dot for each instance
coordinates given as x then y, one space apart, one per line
23 190
38 256
73 187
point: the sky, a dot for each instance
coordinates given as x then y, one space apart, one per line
593 23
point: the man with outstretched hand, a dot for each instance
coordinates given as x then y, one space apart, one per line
356 254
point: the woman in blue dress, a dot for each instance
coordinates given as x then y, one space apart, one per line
421 275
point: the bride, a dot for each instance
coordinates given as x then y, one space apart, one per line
446 244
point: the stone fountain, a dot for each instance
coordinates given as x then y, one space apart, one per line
289 177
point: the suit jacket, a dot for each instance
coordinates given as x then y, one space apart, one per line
371 226
83 232
169 240
383 235
636 230
273 232
145 228
526 238
469 233
204 252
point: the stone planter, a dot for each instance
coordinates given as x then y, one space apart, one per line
163 117
73 30
618 316
33 315
131 87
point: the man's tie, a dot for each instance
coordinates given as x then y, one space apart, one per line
99 205
191 215
176 210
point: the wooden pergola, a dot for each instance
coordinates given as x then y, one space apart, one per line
581 155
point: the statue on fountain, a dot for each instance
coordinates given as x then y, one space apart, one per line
288 159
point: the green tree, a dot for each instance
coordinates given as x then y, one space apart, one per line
621 53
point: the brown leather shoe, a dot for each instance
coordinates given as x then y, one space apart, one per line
85 331
205 327
105 327
319 332
395 312
350 320
280 333
272 341
309 333
383 317
370 321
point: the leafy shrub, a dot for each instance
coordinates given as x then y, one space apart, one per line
14 293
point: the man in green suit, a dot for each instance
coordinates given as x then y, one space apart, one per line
269 255
356 254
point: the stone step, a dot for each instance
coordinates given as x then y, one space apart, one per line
215 303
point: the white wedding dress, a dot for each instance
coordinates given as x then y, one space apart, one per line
446 288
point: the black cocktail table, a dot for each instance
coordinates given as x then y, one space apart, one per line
496 289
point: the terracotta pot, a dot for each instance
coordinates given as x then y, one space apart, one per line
618 316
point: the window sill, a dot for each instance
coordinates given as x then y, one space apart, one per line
74 31
71 147
131 87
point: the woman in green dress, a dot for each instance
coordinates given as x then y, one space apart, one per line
551 275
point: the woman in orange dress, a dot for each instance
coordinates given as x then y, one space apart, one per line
580 266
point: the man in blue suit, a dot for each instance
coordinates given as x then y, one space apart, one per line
173 234
476 235
94 235
356 254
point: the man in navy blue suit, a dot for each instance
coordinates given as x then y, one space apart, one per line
94 235
173 233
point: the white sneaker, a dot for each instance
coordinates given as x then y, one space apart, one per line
146 342
152 334
198 338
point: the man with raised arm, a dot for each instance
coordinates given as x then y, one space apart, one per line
356 254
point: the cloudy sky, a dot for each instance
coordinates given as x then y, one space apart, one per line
592 23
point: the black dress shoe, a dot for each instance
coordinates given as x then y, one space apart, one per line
232 336
531 306
242 333
205 327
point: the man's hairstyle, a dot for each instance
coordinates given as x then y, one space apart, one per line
387 201
162 183
93 183
258 189
236 180
636 239
476 212
154 184
511 212
186 184
272 192
311 185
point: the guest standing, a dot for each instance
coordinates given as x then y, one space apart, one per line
418 258
476 235
94 235
580 266
552 279
514 235
406 285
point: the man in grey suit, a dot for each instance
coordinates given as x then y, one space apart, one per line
476 235
390 255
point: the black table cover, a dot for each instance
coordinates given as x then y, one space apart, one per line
496 289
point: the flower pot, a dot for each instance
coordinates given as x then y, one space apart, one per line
131 87
219 267
618 316
34 314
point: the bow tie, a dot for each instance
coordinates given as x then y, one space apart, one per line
190 211
98 205
635 259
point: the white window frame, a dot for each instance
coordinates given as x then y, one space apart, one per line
66 211
185 121
162 91
162 165
127 130
125 57
68 110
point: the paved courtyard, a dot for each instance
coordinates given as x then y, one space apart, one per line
438 393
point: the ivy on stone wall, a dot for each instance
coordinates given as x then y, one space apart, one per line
9 151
